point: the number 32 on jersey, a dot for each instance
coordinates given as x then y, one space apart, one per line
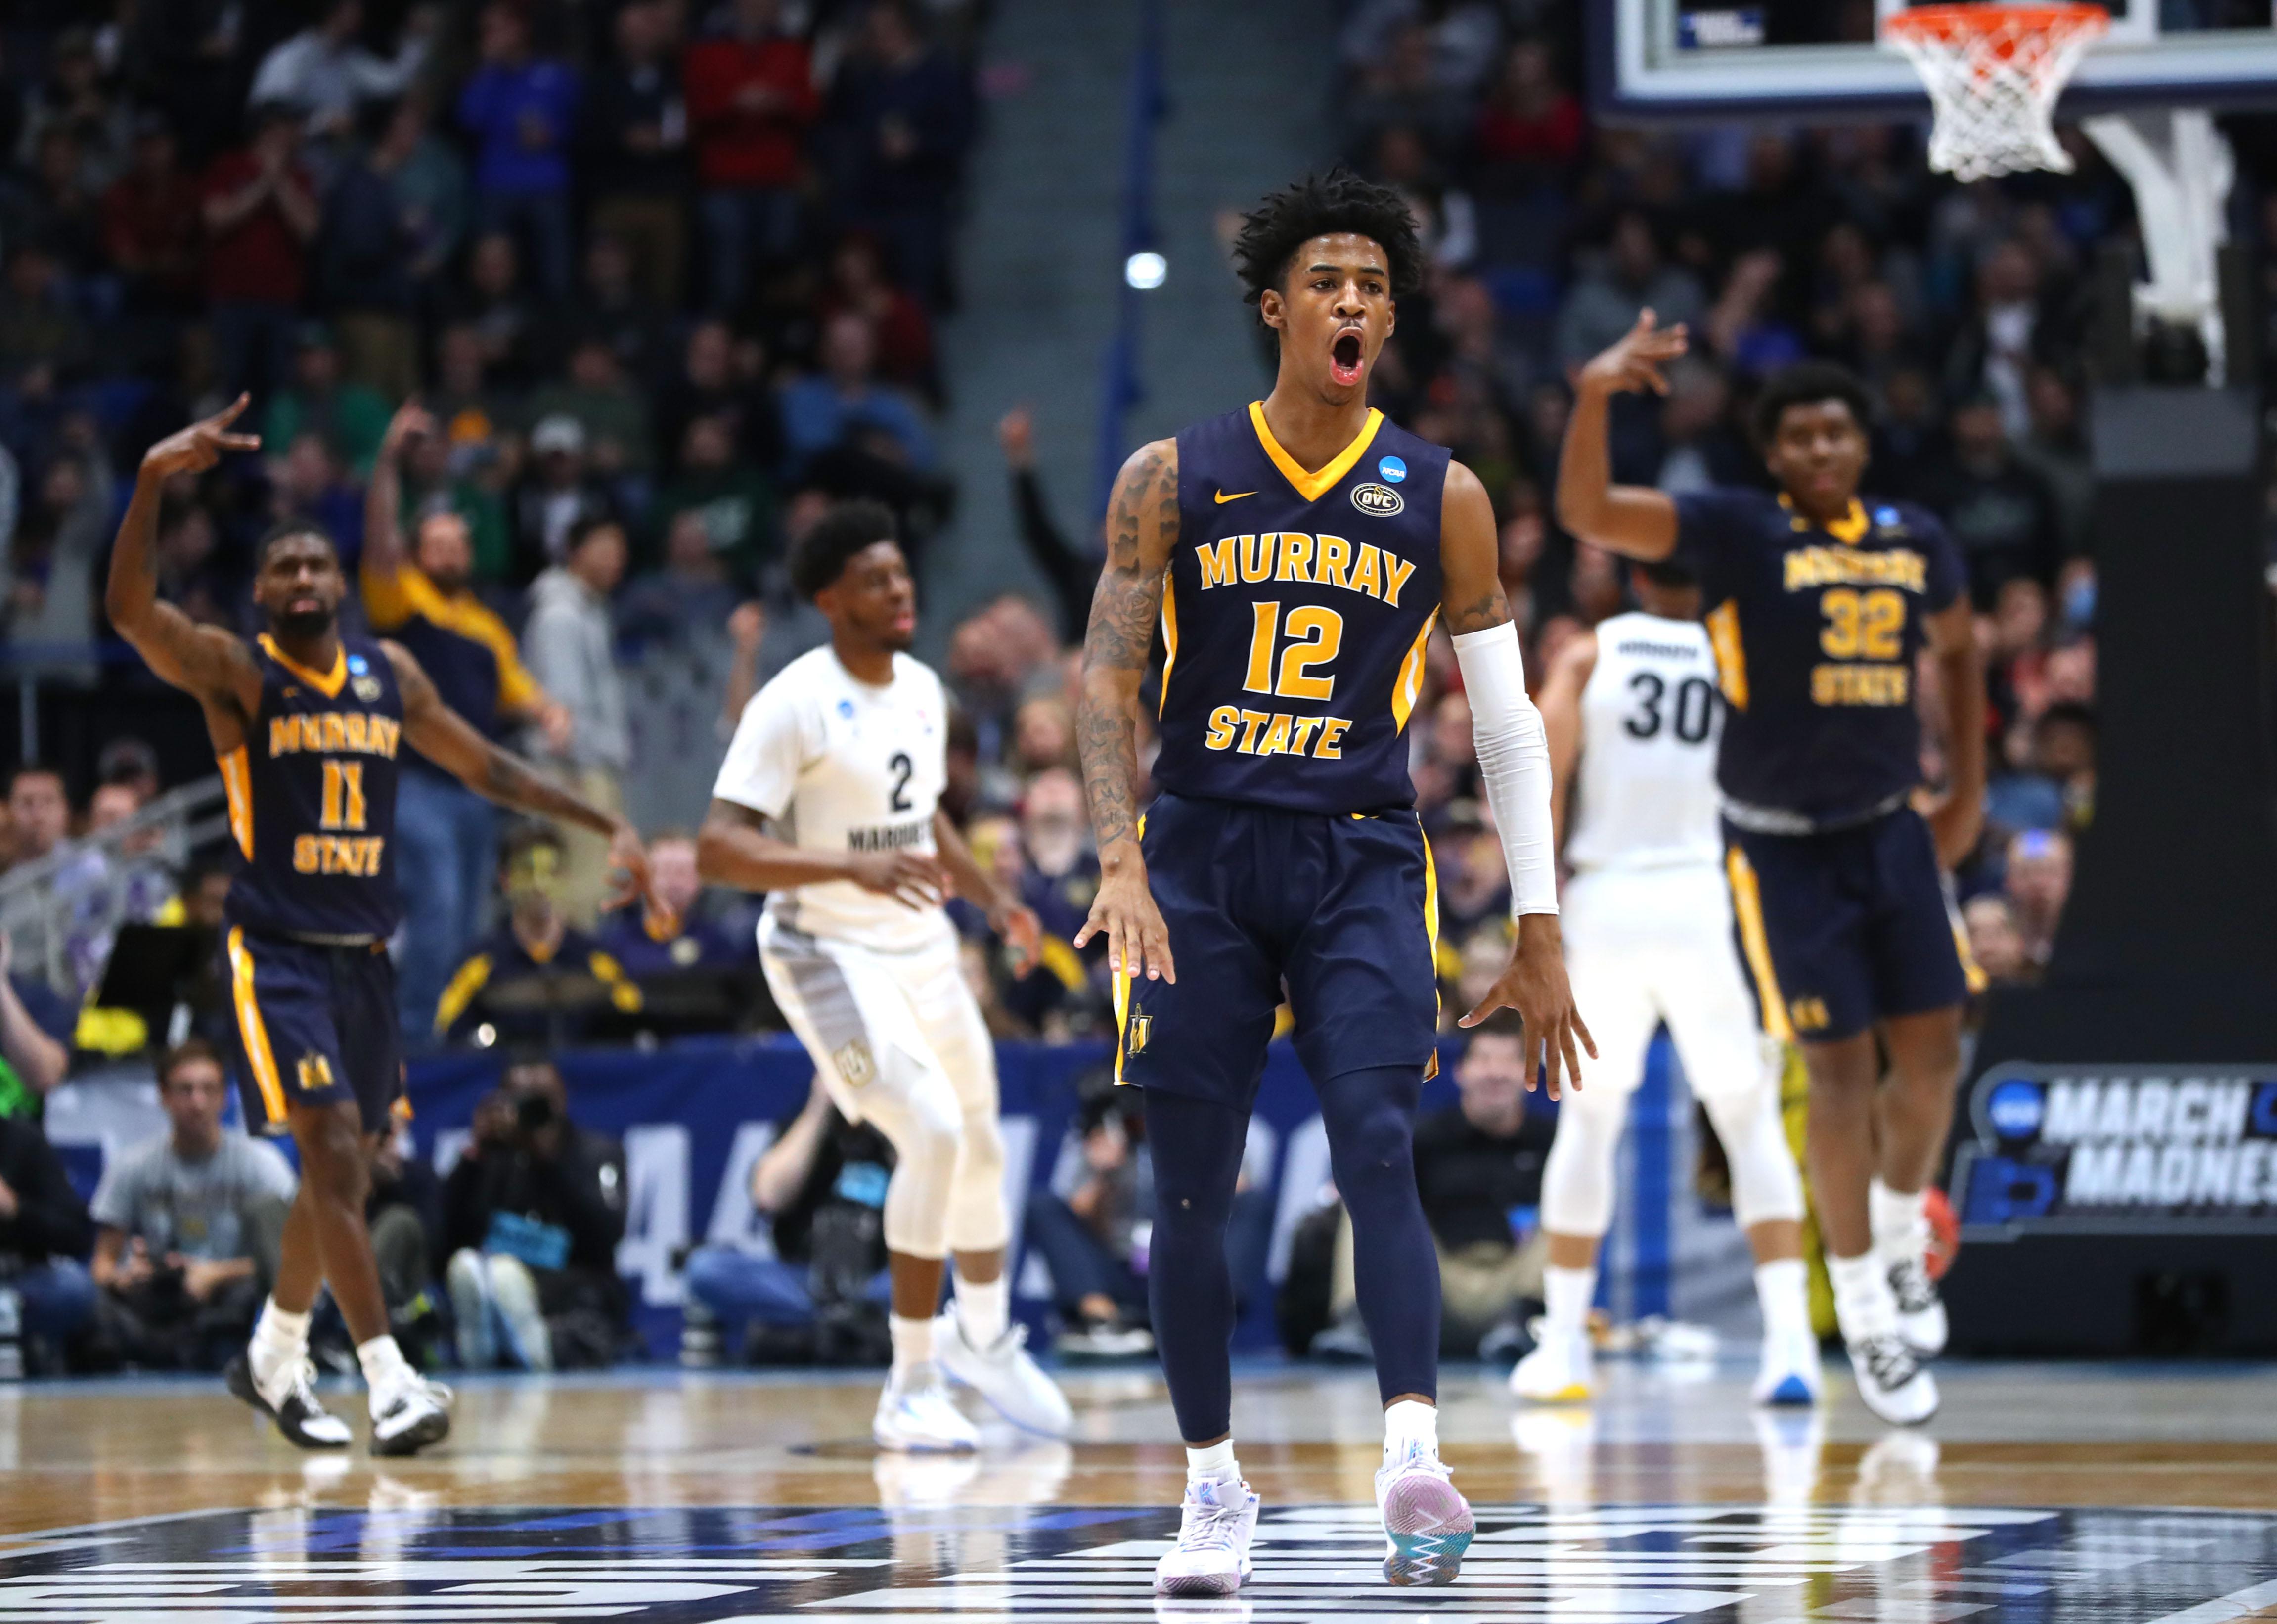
1309 640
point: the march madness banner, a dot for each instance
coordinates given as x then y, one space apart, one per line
2119 1148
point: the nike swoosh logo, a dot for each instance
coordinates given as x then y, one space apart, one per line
1223 497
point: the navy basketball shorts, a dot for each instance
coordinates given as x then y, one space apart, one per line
1338 910
315 1024
1841 929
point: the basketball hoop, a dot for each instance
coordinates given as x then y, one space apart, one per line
1993 73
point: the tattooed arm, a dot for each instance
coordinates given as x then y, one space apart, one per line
1142 524
448 740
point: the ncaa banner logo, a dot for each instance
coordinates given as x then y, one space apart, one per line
1381 501
2119 1148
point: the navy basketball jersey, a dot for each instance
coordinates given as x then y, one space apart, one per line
312 798
1816 631
1294 611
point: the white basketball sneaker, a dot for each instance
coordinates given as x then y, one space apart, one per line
410 1415
1789 1373
1921 1311
1215 1525
916 1413
1003 1374
1892 1382
1559 1371
1426 1523
287 1395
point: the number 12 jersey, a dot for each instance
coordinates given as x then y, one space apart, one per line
1295 612
836 764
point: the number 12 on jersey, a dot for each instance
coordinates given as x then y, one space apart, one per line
1307 639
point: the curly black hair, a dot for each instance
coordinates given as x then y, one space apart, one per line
1339 201
822 554
285 530
1806 383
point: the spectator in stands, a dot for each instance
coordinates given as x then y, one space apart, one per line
151 226
42 340
1632 275
686 602
750 98
404 1214
902 116
473 414
1993 353
1086 1226
261 214
1999 508
35 1036
532 1215
614 308
708 385
647 944
2038 883
1996 943
845 403
903 332
637 133
188 1227
48 569
522 982
732 501
1529 126
572 652
446 835
39 823
308 484
822 1186
324 74
520 109
504 318
349 417
1058 879
365 256
429 185
613 414
559 499
1071 569
44 1234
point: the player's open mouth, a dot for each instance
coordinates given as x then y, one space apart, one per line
305 606
1345 352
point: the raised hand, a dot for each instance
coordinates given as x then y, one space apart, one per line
1635 360
198 447
628 856
411 420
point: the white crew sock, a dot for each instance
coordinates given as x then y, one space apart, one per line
983 1309
912 1344
1213 1463
1566 1295
1410 1423
1900 1223
278 1338
384 1367
1864 1303
1783 1291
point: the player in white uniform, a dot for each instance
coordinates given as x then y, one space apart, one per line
829 800
1648 939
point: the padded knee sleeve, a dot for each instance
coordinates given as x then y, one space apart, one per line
1577 1180
1764 1183
916 1111
978 1219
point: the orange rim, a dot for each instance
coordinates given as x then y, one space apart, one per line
1953 22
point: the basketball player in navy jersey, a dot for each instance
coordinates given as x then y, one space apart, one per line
1819 605
308 725
1297 555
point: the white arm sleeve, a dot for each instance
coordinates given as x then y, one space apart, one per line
1513 762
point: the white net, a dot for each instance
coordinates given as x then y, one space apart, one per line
1993 73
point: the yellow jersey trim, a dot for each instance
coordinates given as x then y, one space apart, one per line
237 780
1170 638
469 979
1409 687
1755 942
327 683
1849 530
1313 486
1723 622
1122 980
1430 922
251 1028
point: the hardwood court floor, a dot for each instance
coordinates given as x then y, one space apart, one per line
659 1496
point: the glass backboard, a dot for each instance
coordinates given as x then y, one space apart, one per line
1681 61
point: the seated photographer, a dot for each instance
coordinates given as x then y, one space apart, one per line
1478 1168
823 1184
1091 1227
532 1217
188 1227
503 984
645 944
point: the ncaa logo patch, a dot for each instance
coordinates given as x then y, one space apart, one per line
854 1062
1393 468
357 665
1381 501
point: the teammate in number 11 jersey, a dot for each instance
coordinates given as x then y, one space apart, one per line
1297 555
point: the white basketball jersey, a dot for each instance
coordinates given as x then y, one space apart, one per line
837 765
1644 795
